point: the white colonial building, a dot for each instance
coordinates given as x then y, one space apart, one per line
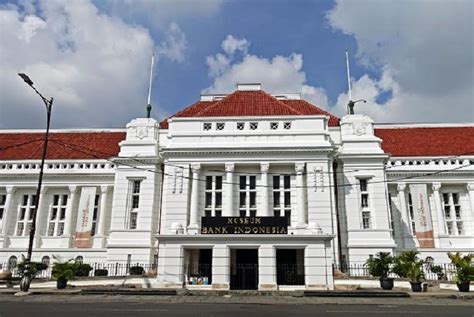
246 190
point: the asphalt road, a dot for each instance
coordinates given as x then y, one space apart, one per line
144 309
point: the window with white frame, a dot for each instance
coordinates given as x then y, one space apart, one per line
135 186
282 196
411 214
95 215
25 215
453 213
57 215
248 196
213 196
3 200
364 203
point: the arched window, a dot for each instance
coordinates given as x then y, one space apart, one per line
12 262
79 259
46 260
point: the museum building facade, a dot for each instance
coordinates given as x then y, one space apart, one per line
242 191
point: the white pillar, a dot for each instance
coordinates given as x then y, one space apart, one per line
301 211
229 190
439 209
104 190
265 210
470 189
69 210
7 209
406 231
194 208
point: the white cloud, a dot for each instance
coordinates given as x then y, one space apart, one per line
425 51
174 45
280 74
231 44
93 64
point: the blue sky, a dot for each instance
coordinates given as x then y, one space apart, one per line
412 60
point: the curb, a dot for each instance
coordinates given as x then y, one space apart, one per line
379 294
124 291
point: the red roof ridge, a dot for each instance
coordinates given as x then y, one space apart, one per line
243 91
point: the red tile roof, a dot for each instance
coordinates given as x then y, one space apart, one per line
430 141
62 145
251 103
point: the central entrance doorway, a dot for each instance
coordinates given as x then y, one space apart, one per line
244 269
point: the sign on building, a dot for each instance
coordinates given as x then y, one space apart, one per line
422 215
84 218
244 225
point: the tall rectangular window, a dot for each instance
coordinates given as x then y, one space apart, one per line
213 196
25 215
282 196
364 203
248 196
57 215
453 214
95 215
134 203
3 200
390 209
411 214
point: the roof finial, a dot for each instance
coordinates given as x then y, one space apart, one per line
148 107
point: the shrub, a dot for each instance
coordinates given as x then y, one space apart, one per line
379 266
408 265
101 272
438 270
136 270
463 265
82 269
35 268
63 271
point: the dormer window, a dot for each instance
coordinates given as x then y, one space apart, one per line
253 125
287 125
220 126
240 125
273 125
207 126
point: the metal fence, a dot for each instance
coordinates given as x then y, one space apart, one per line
432 272
113 269
290 274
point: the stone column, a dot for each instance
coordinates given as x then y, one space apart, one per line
7 213
69 210
439 209
470 189
264 211
229 190
194 207
220 267
104 189
267 268
301 211
406 231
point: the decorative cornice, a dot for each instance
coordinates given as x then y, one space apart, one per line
264 167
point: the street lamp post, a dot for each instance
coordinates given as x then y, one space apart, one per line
27 274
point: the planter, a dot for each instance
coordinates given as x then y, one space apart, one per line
61 284
463 286
416 286
386 283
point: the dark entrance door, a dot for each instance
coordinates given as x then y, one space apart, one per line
244 269
289 270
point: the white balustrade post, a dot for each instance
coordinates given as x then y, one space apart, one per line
439 209
301 211
229 190
194 208
265 210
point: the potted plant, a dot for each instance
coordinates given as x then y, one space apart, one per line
379 266
62 272
464 270
408 265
